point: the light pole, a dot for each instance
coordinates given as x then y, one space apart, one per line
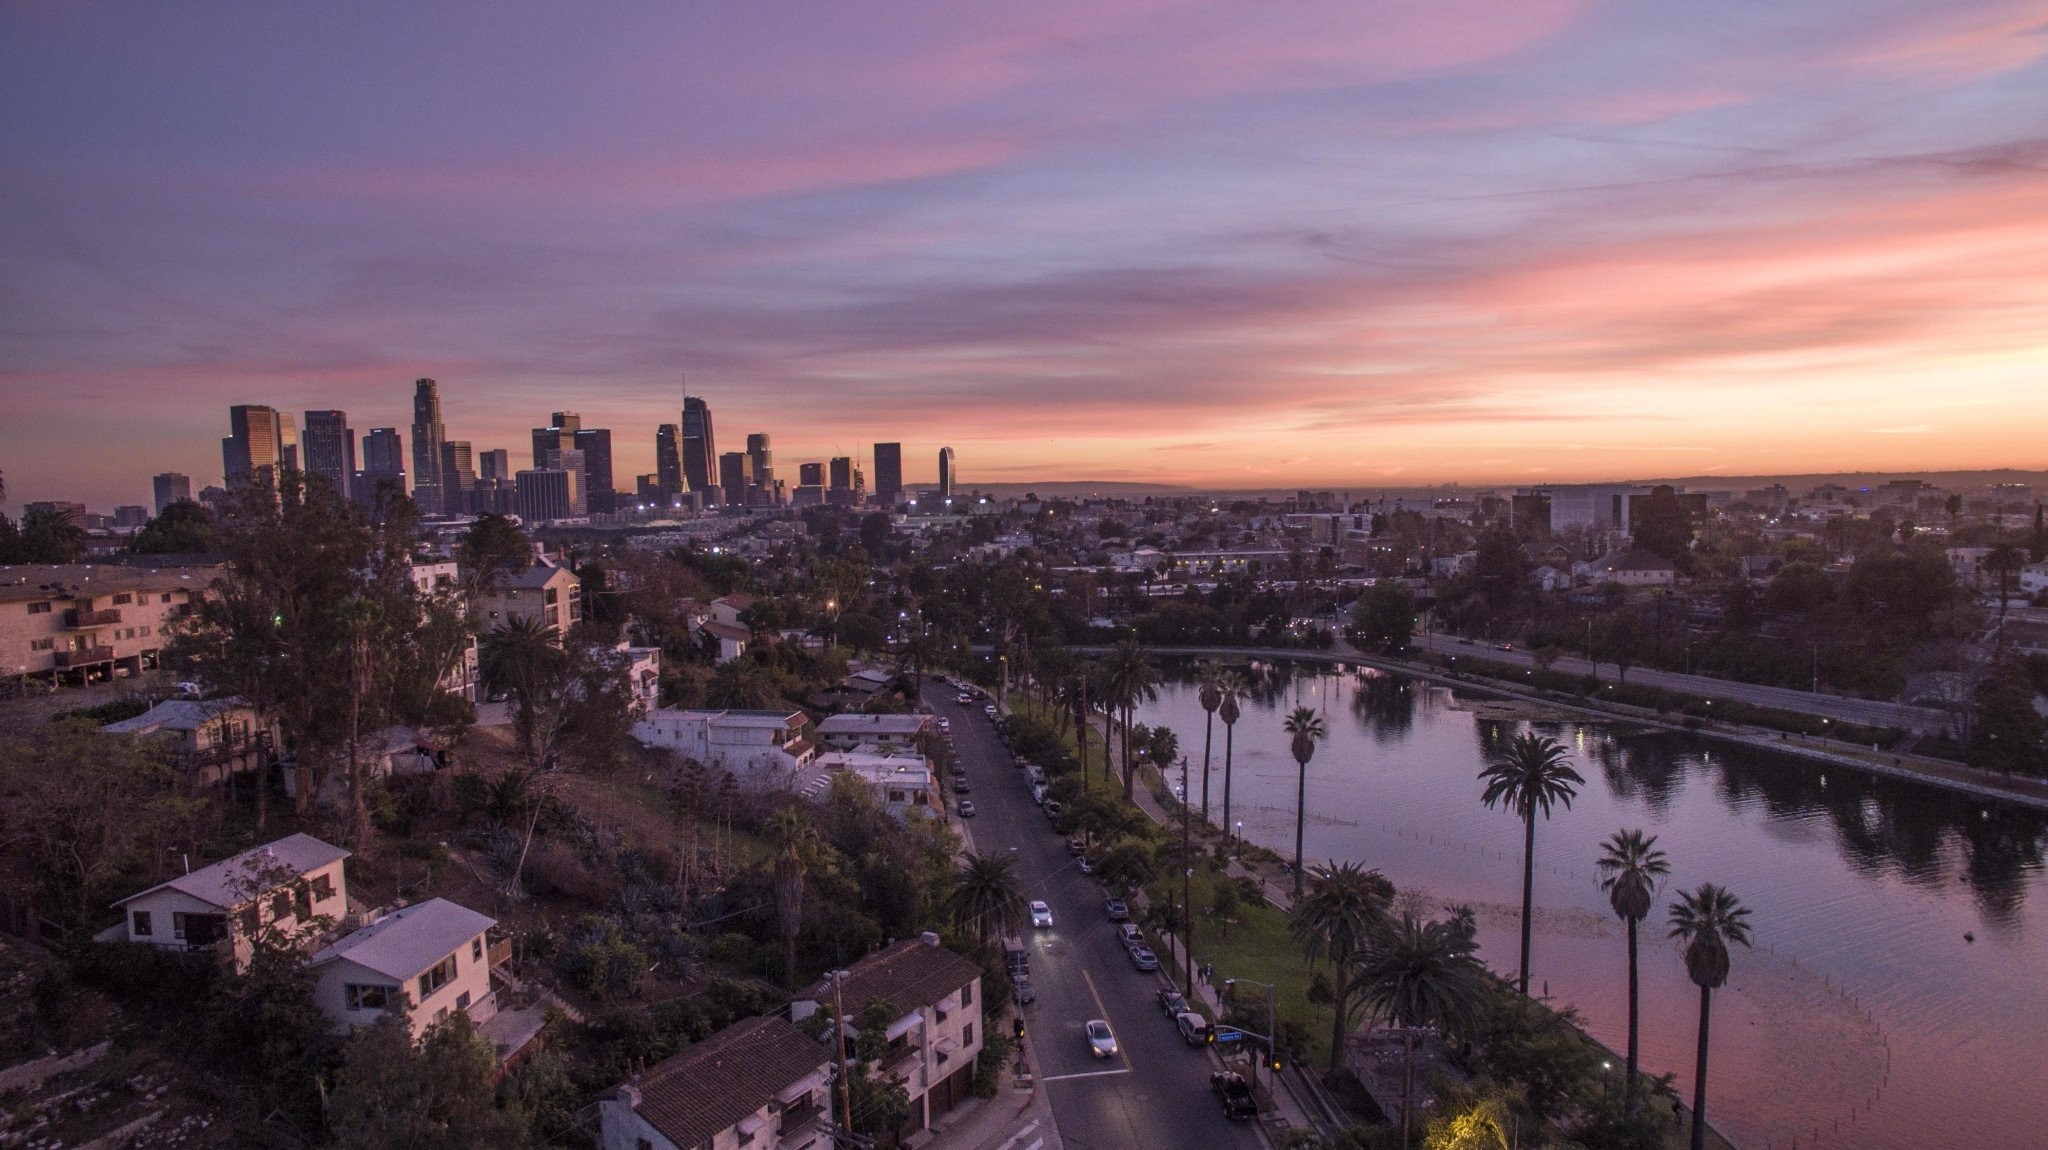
1816 667
1187 879
839 1042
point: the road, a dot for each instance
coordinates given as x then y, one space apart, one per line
1867 712
1156 1094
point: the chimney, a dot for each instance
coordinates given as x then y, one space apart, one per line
930 939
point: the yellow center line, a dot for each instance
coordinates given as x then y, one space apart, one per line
1102 1012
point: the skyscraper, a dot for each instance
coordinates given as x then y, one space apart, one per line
383 464
171 486
701 460
668 460
735 475
888 474
428 433
287 441
810 474
761 458
458 476
251 447
946 476
330 449
596 445
571 460
545 494
842 473
494 464
550 438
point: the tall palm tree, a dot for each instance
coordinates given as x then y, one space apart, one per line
1211 695
796 847
1420 974
1706 921
1630 867
1130 678
1083 682
1308 729
1531 774
517 657
986 895
1344 909
1232 686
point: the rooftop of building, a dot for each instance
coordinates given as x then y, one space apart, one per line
28 581
235 880
408 941
717 1082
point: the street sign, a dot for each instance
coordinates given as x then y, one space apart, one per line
1229 1036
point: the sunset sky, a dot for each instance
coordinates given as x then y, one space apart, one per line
1227 244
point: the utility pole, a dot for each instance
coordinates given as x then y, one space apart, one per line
1187 878
839 1042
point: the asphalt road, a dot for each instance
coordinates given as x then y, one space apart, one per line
1868 712
1156 1092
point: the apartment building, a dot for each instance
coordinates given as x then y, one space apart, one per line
83 622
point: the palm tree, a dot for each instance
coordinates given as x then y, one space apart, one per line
986 895
1631 865
517 657
1211 695
1531 774
1130 678
1343 911
1083 680
741 684
796 846
1308 729
1232 686
1420 974
1707 920
2003 561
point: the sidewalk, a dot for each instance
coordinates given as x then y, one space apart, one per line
1019 1117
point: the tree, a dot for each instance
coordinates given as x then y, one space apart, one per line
1232 685
1661 525
1336 920
1307 729
51 535
181 527
986 895
1130 677
2005 561
522 657
1422 974
493 548
1531 774
1210 693
1630 868
1706 921
796 849
2007 733
391 1093
1384 616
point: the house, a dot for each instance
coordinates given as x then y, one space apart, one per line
86 622
1632 568
2033 579
215 738
293 888
732 639
899 782
854 691
727 609
936 1035
643 675
1548 578
433 956
761 747
887 732
442 579
760 1083
543 591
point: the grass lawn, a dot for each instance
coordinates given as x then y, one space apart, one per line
1257 948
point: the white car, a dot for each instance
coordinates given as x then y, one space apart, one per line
1041 914
1101 1039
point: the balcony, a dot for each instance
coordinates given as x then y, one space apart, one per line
800 1120
898 1061
79 619
85 658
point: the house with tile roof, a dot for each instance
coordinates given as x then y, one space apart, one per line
761 1084
434 957
292 889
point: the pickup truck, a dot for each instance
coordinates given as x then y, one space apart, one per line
1235 1093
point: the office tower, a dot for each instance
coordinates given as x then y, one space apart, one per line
735 475
568 421
494 464
383 464
761 459
329 449
571 460
428 432
596 445
701 462
250 449
545 494
888 474
171 486
946 476
810 474
458 475
550 438
668 459
129 515
842 473
287 441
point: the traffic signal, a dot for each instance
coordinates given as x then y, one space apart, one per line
1017 1027
1212 1036
1276 1064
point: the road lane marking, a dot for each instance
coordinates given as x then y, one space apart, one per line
1086 1074
1021 1135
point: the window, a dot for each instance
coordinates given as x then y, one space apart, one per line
642 1144
42 608
362 997
41 644
967 1035
476 949
302 901
166 598
142 925
323 888
442 973
123 599
462 1001
177 924
280 904
250 918
967 995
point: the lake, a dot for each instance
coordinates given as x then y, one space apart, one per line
1897 993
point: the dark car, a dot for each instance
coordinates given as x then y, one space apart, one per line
1173 1002
1235 1093
1020 989
1116 910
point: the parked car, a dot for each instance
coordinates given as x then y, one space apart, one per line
1101 1039
1117 911
1235 1093
1016 959
1128 933
1041 914
989 709
1052 809
966 808
1020 990
1076 844
1086 866
963 698
1172 1001
1143 958
961 785
1194 1029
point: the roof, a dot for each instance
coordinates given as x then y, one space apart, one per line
865 725
737 601
726 630
710 1086
176 715
25 581
910 974
533 578
406 942
232 881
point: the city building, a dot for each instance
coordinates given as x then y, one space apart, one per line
433 956
458 475
383 465
761 469
668 460
761 748
946 477
899 782
251 448
294 888
130 516
88 622
428 432
701 461
330 448
599 496
760 1084
735 477
494 464
810 474
546 494
170 487
888 474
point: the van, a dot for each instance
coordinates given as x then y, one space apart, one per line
1194 1029
1016 959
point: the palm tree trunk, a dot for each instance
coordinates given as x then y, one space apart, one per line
1699 1074
1407 1087
1338 994
1528 890
1300 813
1081 737
1229 745
1632 1017
1129 708
1208 737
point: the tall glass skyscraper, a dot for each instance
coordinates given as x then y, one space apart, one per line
428 433
700 448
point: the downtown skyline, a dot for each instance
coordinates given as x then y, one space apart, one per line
1210 245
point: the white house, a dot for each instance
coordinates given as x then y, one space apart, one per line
761 747
1548 578
888 732
2033 578
293 887
900 782
1633 568
433 955
733 639
760 1083
935 1039
726 609
643 673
